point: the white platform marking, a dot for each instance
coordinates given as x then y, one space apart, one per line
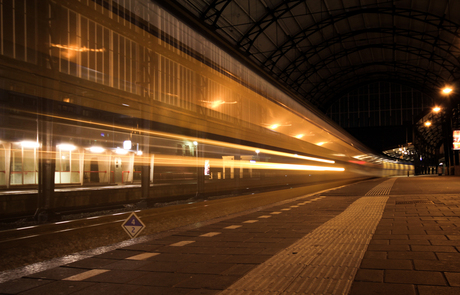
85 275
182 243
210 234
233 227
142 256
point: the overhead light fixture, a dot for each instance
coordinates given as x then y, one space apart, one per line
30 144
121 151
299 136
428 124
66 147
436 109
447 90
127 144
96 149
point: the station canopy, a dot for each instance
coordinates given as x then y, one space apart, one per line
323 49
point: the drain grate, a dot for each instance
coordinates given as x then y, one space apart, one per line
415 202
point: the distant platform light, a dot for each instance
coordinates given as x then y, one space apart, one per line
30 144
274 126
66 147
139 153
127 144
195 143
96 149
121 151
299 136
428 124
320 143
436 109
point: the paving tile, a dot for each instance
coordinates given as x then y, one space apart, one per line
239 269
162 266
126 264
437 265
410 242
386 264
379 242
428 237
58 287
367 288
57 273
149 290
431 290
411 255
388 248
107 288
118 254
375 255
369 275
445 243
213 282
408 232
433 248
448 256
390 237
453 278
204 292
414 277
117 276
160 279
251 259
142 247
90 263
22 284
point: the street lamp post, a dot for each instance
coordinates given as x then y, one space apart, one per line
447 129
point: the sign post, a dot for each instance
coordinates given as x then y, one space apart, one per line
133 225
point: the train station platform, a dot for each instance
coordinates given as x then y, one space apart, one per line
382 236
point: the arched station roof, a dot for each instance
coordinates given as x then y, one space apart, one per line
322 49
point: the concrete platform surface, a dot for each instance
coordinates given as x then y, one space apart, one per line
384 236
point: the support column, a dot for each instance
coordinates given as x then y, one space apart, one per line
46 163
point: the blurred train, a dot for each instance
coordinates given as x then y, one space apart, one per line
121 94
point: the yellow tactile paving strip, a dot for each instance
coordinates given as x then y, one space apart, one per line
324 261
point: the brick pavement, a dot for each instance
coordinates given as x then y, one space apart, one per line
416 246
414 250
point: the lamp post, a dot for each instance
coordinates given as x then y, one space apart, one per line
447 128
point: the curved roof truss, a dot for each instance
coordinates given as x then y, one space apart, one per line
321 49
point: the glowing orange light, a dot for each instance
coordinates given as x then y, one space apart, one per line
274 126
79 49
428 124
447 90
299 136
436 109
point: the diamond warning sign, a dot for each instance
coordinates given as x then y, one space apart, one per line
133 225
